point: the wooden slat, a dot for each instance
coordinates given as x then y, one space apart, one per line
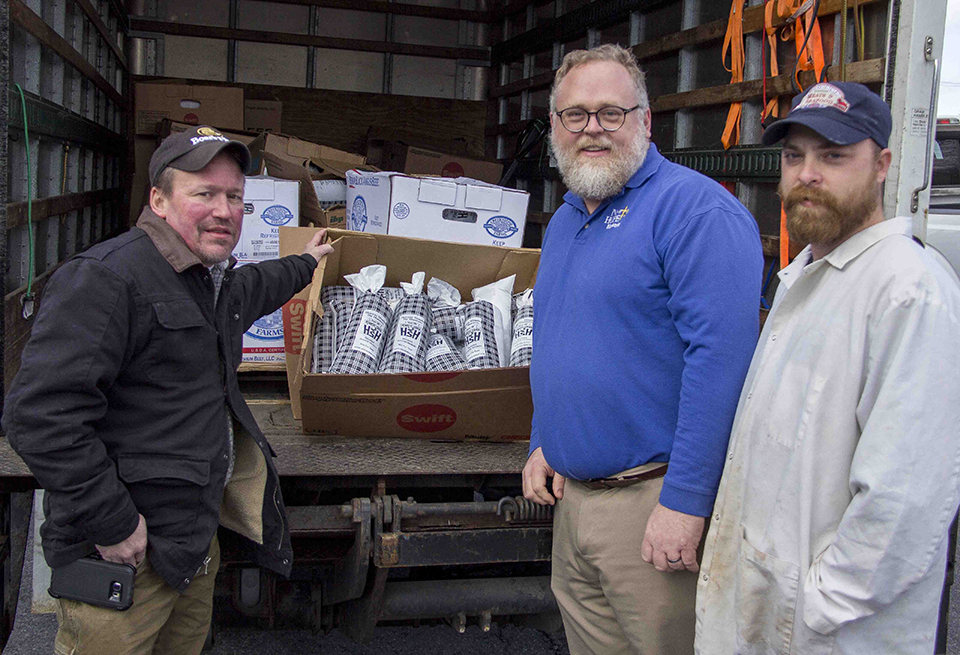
541 81
752 22
58 205
259 36
866 72
771 245
397 9
104 31
32 23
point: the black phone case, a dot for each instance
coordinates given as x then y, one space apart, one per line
94 581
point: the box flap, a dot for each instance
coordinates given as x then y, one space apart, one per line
483 197
437 192
310 212
465 266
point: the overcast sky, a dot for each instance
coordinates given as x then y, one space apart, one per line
949 104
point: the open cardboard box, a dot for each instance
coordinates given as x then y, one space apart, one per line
291 158
482 405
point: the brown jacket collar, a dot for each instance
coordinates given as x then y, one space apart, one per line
168 241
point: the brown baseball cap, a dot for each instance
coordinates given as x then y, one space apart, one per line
193 149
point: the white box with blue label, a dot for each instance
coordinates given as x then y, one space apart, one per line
268 204
460 210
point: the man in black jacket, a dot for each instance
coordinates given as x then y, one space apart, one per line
126 406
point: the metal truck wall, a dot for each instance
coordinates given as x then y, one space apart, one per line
67 57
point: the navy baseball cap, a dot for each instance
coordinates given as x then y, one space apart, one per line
843 113
193 149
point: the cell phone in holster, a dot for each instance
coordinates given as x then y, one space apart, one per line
94 581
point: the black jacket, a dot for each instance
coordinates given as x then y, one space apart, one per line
120 404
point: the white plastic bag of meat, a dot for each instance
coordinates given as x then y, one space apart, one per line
447 320
500 295
406 348
442 355
343 293
521 350
479 335
366 331
325 341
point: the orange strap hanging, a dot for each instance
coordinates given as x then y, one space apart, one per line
772 106
733 43
784 240
811 57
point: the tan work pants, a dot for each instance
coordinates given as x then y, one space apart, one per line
612 602
160 621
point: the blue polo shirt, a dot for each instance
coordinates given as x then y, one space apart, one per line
646 315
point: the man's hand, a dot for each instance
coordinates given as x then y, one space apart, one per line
672 535
316 247
535 474
131 550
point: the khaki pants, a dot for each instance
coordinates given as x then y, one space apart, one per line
160 621
612 602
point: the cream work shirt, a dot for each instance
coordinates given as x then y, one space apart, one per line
829 532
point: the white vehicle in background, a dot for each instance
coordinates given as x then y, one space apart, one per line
943 220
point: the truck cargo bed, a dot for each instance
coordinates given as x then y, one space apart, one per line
307 455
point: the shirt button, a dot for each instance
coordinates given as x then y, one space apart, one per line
773 337
236 317
186 581
225 456
705 577
730 456
716 517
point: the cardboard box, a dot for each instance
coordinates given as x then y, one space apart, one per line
460 210
268 204
219 106
482 405
262 115
421 161
294 159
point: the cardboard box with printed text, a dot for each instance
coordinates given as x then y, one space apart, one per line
482 405
268 204
262 115
461 210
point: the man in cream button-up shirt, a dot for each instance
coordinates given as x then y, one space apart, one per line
829 532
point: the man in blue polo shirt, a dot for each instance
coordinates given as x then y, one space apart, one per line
647 311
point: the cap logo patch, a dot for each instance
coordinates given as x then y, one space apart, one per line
208 131
203 139
824 96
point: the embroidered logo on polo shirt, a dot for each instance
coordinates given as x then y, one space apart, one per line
823 96
617 215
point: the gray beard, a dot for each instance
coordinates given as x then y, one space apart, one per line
600 180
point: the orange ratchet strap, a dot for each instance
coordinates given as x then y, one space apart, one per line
733 43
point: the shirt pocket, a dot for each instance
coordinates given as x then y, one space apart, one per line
166 490
180 342
767 590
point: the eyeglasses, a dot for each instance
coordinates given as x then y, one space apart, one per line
610 118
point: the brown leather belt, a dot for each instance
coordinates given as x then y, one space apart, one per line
624 480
